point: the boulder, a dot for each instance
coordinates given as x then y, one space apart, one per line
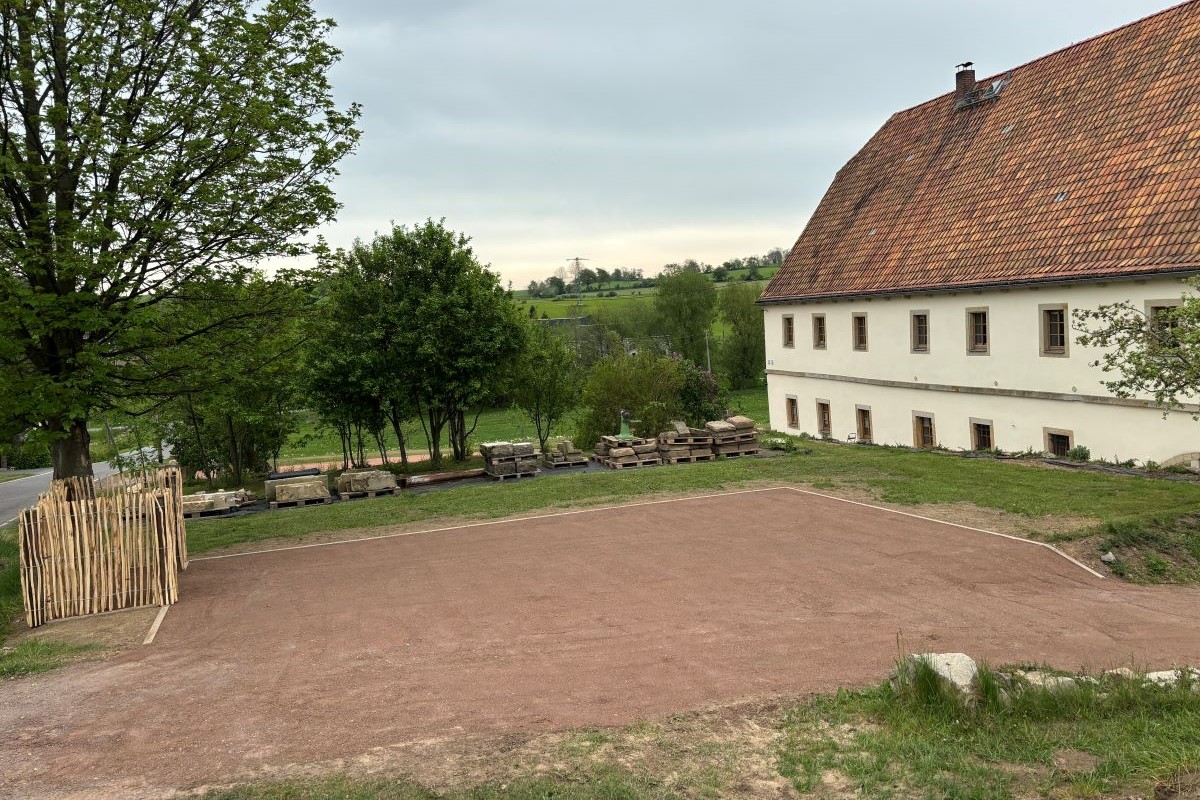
957 669
1171 677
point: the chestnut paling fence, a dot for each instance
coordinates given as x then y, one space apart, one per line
87 548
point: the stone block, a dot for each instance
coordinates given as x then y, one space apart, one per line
366 480
313 489
720 426
496 449
622 452
523 449
741 423
271 487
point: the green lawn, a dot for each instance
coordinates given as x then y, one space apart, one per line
894 475
5 476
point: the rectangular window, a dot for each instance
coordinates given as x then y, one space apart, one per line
923 432
1059 443
864 424
977 330
793 413
860 331
981 436
920 331
824 421
1054 330
818 322
1163 324
789 331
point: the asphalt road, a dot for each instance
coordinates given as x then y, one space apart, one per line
23 492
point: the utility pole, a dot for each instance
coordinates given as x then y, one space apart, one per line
578 289
707 353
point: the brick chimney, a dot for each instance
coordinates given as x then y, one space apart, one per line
964 81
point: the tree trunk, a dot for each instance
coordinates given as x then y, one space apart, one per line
72 454
394 416
235 456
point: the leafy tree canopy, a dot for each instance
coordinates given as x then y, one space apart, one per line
146 148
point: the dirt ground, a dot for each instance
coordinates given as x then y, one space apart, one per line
340 653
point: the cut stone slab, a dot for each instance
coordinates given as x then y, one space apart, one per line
681 428
642 449
365 480
741 423
522 449
720 426
271 488
622 452
313 489
496 449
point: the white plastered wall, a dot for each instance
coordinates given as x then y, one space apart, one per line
890 374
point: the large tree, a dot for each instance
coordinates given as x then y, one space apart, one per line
686 304
547 381
447 332
146 148
743 352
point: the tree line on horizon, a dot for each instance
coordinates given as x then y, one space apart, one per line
577 278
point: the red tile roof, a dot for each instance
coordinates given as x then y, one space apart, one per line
1085 165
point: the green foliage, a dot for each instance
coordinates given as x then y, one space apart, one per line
547 382
645 385
701 398
1159 357
1079 453
686 306
31 455
442 330
166 143
742 358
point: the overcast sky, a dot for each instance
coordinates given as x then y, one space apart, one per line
639 133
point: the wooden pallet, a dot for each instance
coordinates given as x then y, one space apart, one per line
579 462
301 503
684 441
512 475
510 459
739 455
367 495
643 462
688 459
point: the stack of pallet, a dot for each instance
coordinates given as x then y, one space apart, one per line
615 452
564 453
733 437
508 460
684 445
207 504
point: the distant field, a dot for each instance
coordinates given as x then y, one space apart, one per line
589 304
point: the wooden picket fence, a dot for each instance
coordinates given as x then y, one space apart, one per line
87 549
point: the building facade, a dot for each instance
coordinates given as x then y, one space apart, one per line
929 301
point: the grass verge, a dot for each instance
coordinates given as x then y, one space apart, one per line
892 475
31 656
1113 736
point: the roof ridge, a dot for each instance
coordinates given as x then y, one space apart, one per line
1052 53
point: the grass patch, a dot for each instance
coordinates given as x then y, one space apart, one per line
11 607
1096 739
896 476
5 477
31 656
600 785
1152 548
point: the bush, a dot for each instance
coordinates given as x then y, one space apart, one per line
645 385
29 456
1079 453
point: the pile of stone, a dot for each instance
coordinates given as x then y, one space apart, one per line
207 504
564 453
301 490
684 445
733 437
503 460
616 452
355 483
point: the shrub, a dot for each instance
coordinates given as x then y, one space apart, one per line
28 456
645 385
1079 453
